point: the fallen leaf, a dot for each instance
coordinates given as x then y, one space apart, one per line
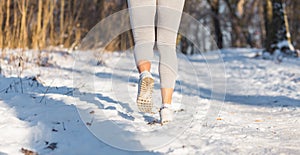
258 120
28 152
219 118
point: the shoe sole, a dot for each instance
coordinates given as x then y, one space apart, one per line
144 100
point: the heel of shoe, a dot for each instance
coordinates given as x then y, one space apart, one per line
166 115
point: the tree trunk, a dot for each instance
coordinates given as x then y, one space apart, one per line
1 23
61 22
37 33
277 30
24 35
7 25
214 4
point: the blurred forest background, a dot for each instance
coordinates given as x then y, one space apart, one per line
40 24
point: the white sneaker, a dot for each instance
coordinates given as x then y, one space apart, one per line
166 113
144 97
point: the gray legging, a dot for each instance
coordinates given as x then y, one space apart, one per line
142 17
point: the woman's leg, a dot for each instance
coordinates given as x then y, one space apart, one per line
169 16
142 18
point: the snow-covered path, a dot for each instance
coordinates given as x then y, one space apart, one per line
260 114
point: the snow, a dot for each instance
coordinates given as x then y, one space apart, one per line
80 107
285 43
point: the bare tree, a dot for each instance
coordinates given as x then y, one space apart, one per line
1 21
292 12
214 4
277 28
241 13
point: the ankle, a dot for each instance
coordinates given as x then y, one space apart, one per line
167 105
145 72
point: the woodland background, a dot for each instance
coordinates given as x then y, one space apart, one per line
40 24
